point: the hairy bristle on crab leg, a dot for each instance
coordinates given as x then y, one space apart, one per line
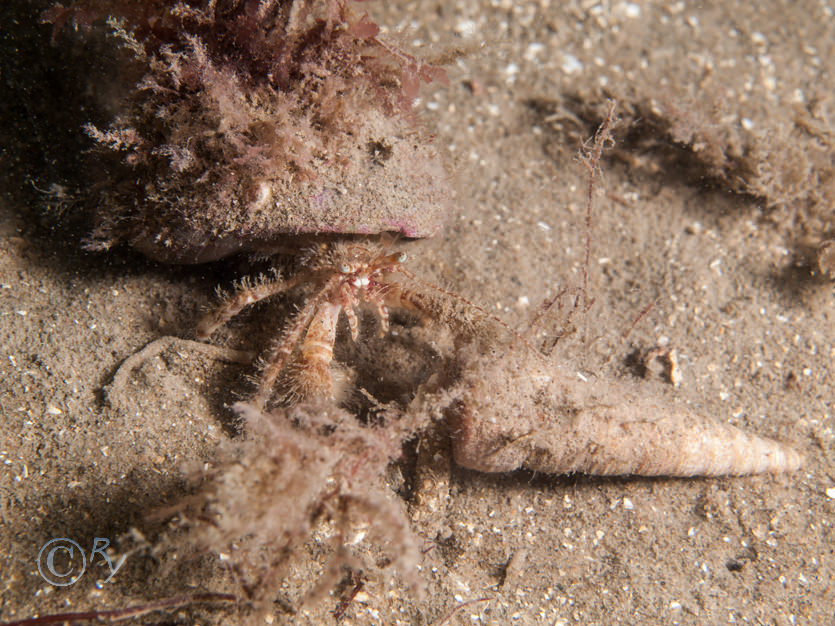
246 296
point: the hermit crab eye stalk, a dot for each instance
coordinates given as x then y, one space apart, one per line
395 258
344 268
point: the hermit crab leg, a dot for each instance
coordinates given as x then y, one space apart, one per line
461 315
353 322
312 374
242 299
383 314
281 352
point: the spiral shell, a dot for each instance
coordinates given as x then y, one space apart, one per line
519 412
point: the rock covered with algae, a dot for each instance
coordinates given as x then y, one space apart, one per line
255 122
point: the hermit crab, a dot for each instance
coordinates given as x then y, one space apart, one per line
508 405
344 276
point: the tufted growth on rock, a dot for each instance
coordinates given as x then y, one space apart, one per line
254 121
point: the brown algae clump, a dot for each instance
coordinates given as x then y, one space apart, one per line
254 121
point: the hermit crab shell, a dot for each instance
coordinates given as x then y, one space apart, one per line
517 411
389 179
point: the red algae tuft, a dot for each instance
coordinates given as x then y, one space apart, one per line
255 122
